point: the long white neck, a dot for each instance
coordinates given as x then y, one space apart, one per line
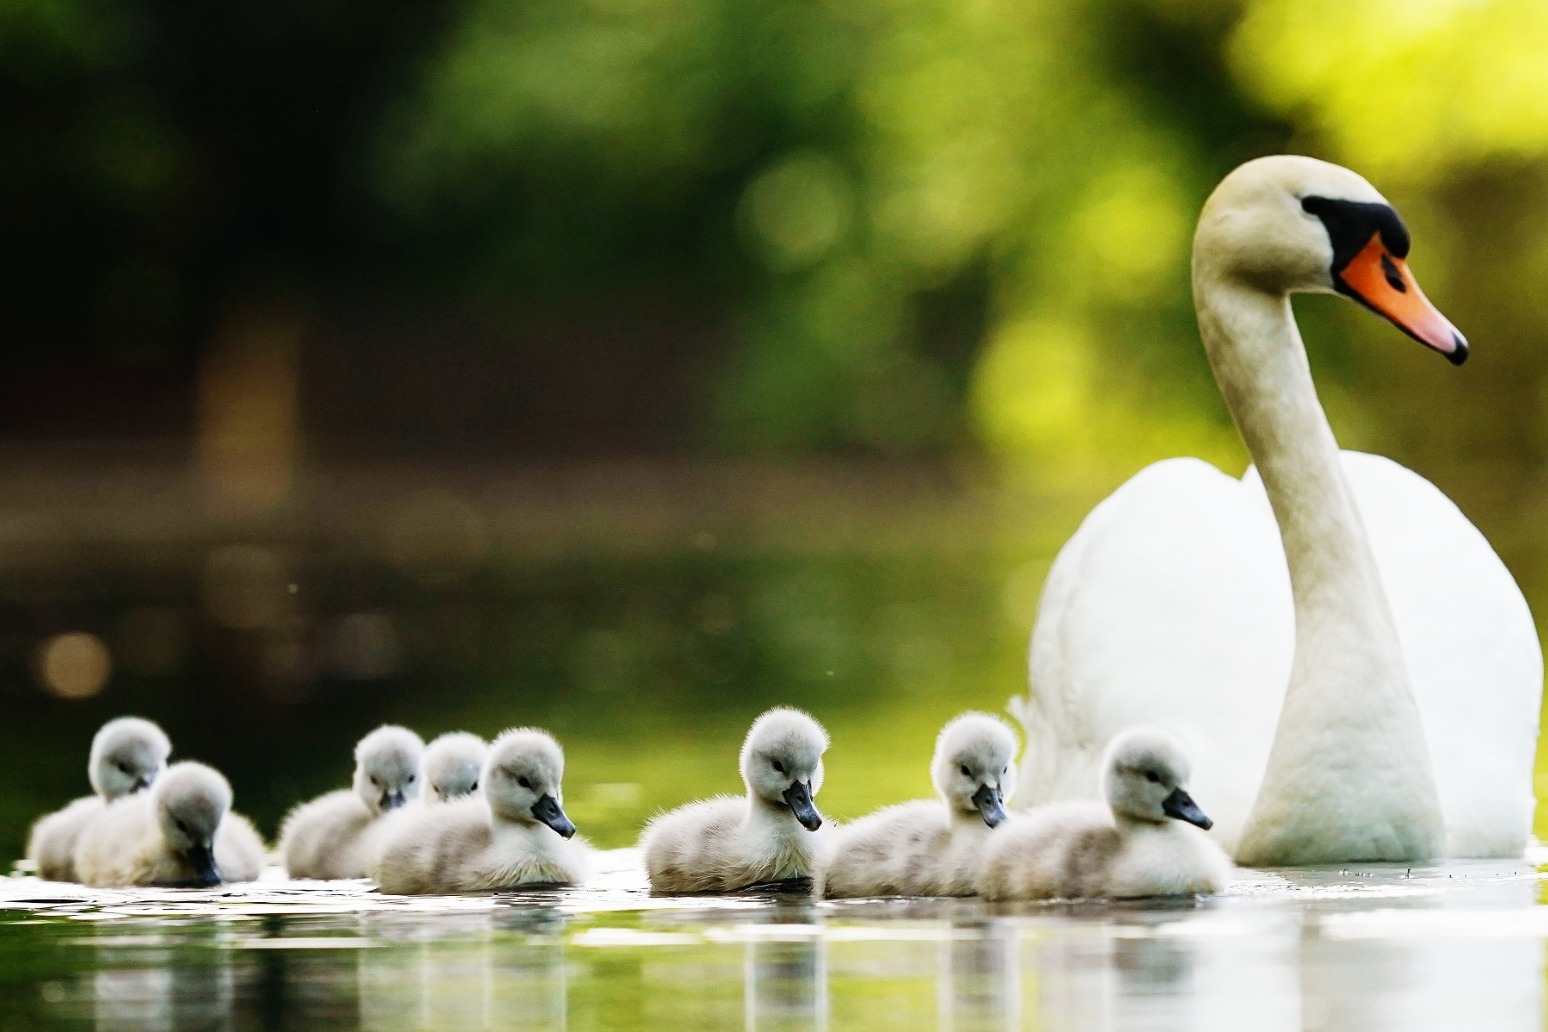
1349 774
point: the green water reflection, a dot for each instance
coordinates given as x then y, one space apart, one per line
1364 949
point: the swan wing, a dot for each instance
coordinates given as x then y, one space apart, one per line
1472 649
1169 607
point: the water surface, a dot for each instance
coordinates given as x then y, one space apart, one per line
1364 948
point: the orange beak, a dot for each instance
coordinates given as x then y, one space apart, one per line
1383 283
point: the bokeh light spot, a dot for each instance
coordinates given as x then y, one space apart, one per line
75 665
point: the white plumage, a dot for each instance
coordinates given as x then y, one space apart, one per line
929 847
330 837
1347 610
127 755
514 833
1143 842
452 765
771 834
180 832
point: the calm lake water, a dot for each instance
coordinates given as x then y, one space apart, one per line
1363 949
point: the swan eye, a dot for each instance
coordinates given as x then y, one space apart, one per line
180 825
965 772
778 766
1152 777
376 781
411 779
124 767
524 783
473 787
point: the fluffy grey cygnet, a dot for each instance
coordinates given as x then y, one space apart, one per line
929 847
452 765
771 834
330 837
513 832
127 755
182 832
1148 840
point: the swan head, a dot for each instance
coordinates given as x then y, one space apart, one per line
974 768
452 765
387 767
1144 776
781 762
190 801
523 780
127 755
1287 224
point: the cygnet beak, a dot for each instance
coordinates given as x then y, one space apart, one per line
547 810
201 858
991 804
799 798
391 801
1180 805
141 783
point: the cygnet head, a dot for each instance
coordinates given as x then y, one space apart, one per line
127 755
1287 224
191 800
452 765
782 762
1144 774
387 767
523 779
974 768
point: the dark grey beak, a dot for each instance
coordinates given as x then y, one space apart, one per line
1181 806
391 801
547 810
991 804
141 783
201 859
799 797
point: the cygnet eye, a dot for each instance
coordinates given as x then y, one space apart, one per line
180 825
524 783
376 781
411 778
965 772
1152 777
122 766
473 787
778 766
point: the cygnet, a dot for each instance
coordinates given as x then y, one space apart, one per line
127 754
514 832
731 842
925 848
329 837
1148 840
181 832
452 765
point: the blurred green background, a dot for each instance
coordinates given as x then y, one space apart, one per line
629 366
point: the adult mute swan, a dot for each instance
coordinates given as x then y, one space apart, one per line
1362 685
1144 841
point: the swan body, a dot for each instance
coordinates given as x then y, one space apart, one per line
452 765
1356 672
514 833
330 837
127 755
771 834
1144 841
180 832
929 847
